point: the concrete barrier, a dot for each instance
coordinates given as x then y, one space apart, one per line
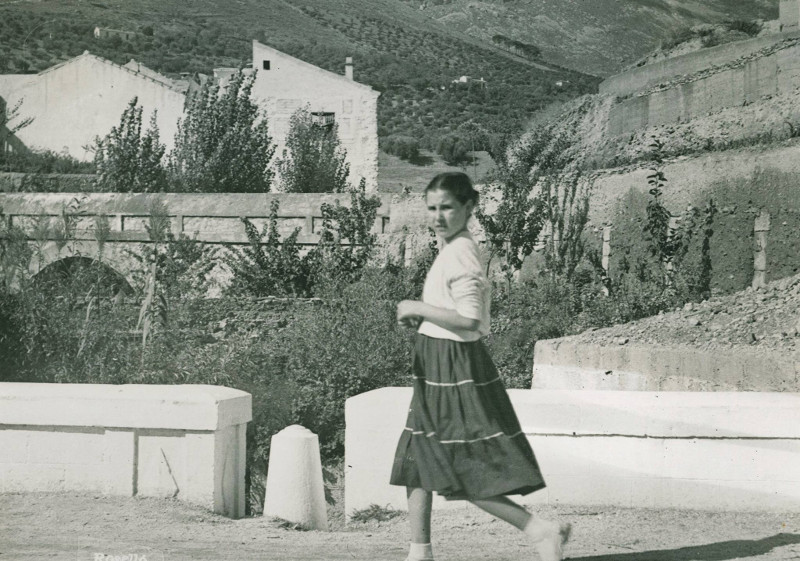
560 364
183 441
708 450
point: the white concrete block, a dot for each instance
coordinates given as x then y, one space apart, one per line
25 477
665 449
295 491
13 445
191 407
168 441
60 445
87 478
229 469
162 463
119 462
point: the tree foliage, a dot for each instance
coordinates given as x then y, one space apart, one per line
541 194
347 242
223 143
269 265
453 149
11 122
404 147
314 160
129 160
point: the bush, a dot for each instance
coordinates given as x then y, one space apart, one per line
453 149
314 160
44 162
750 27
374 513
404 147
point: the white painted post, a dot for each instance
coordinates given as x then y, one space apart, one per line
606 247
761 229
606 255
294 482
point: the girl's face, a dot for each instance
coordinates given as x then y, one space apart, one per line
446 215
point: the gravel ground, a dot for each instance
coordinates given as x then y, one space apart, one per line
77 527
765 319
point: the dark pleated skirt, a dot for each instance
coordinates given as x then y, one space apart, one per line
462 438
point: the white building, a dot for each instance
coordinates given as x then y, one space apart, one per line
76 101
284 84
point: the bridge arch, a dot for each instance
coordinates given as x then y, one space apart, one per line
118 264
66 267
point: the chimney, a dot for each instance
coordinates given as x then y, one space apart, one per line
348 68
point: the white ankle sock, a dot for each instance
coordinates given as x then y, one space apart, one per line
538 528
420 551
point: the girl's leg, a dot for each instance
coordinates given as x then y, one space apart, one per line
505 509
419 517
549 536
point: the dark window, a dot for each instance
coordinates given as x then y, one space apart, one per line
266 65
323 118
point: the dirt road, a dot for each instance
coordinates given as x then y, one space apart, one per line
73 527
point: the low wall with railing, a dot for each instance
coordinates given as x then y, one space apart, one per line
184 441
706 450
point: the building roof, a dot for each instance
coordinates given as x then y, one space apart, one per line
147 74
313 68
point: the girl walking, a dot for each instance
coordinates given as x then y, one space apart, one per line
462 438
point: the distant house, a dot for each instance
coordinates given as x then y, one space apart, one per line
284 84
469 80
75 101
100 32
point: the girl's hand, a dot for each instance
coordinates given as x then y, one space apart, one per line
407 314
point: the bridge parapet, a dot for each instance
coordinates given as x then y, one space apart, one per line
207 217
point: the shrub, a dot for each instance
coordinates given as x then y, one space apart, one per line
350 346
314 160
44 162
404 147
750 27
677 37
375 513
269 265
453 149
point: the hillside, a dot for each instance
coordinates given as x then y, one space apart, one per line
597 36
397 49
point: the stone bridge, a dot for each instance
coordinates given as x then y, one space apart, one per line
212 218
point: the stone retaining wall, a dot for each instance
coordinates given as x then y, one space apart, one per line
563 365
638 79
712 90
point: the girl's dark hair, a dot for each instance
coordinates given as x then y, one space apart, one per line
457 184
